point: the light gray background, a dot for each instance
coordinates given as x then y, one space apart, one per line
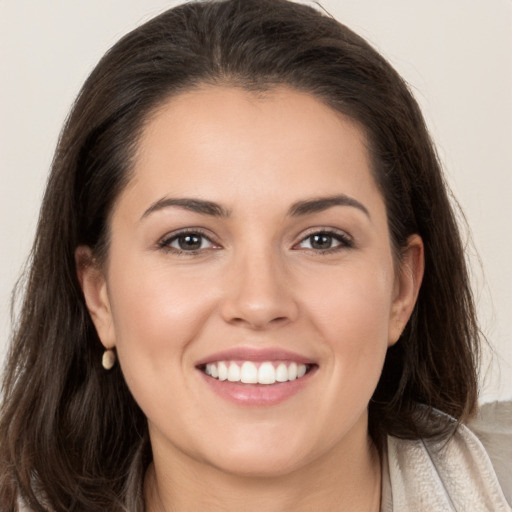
455 54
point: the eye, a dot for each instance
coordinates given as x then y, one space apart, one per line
187 241
323 241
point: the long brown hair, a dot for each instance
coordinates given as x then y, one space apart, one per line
71 436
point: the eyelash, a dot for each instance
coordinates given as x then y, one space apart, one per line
345 241
165 243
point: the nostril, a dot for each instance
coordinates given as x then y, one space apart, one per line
259 322
258 308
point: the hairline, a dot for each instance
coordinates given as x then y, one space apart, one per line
261 89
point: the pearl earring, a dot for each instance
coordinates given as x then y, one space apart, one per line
109 359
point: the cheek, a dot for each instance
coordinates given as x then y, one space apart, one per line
352 305
352 312
156 315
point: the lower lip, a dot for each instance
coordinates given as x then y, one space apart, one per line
257 394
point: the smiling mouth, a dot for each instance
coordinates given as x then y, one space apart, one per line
250 372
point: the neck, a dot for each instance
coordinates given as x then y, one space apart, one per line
343 479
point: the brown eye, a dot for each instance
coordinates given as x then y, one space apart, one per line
321 241
187 242
325 241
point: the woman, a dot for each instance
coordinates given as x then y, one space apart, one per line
248 289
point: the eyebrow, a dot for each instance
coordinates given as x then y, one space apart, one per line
323 203
298 209
193 205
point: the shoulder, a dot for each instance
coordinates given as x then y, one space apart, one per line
454 474
493 427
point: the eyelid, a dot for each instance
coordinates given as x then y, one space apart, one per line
165 241
346 240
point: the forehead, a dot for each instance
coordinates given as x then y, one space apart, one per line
221 143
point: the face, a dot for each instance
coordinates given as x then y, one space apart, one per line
250 289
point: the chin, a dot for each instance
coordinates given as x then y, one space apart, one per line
260 465
263 458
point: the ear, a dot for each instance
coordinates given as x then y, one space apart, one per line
94 287
407 286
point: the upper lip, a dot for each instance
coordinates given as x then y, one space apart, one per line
256 355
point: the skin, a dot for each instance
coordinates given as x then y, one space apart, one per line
256 281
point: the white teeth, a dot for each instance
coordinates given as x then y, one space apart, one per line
266 374
250 373
281 373
292 371
222 370
234 373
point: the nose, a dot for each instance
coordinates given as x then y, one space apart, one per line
260 293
